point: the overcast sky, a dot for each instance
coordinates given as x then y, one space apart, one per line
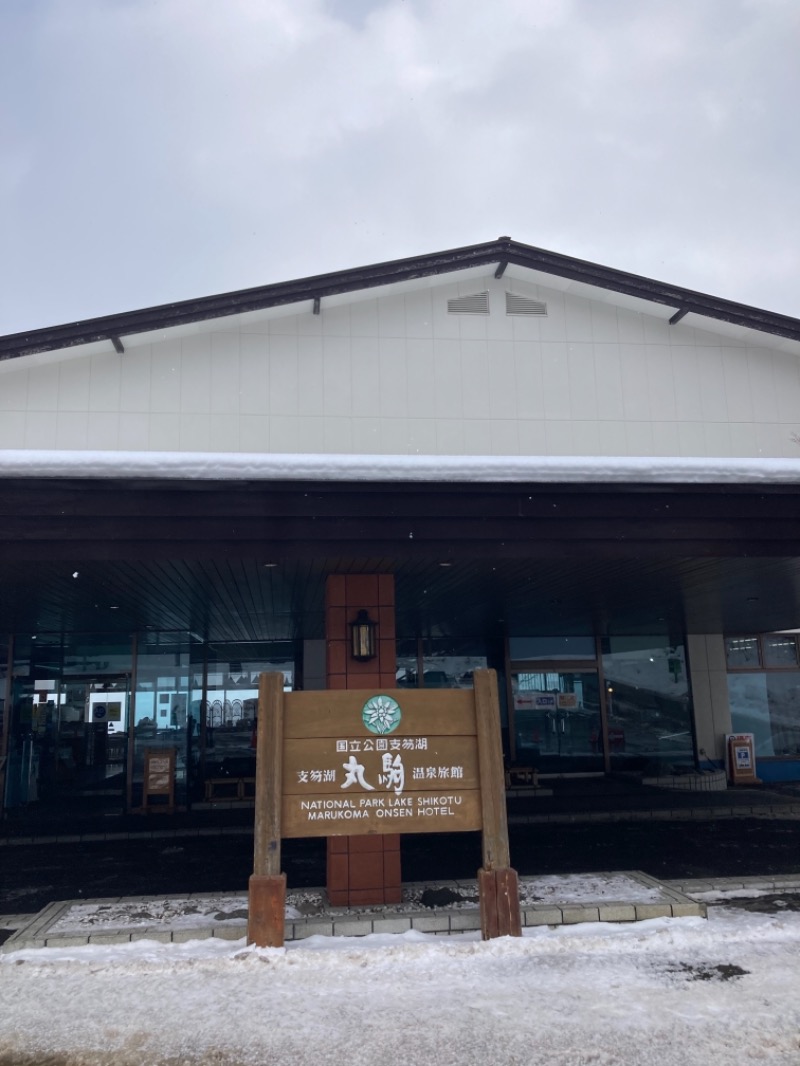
158 150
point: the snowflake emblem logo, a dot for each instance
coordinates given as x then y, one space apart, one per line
381 714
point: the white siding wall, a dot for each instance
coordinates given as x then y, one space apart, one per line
395 374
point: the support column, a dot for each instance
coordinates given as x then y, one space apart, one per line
363 870
709 686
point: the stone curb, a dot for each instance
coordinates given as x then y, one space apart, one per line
773 882
441 922
31 931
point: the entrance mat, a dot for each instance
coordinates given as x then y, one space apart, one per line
441 907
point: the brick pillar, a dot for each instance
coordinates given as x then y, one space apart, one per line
362 870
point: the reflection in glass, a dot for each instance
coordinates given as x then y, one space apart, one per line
227 716
647 705
768 706
446 663
68 731
67 742
407 664
161 711
3 676
529 648
450 663
780 650
742 652
557 721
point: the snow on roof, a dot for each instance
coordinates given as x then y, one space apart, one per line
234 466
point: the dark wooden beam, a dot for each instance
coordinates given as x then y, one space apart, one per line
397 552
118 345
678 316
41 519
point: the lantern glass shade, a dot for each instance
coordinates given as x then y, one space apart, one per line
362 637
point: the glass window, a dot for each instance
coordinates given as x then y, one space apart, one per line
226 717
3 683
783 702
768 706
3 674
530 648
22 764
38 656
557 721
780 649
446 662
742 652
68 718
161 709
450 663
407 664
96 654
648 705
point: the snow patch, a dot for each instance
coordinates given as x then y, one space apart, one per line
676 992
200 912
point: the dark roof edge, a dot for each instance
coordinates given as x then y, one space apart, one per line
71 334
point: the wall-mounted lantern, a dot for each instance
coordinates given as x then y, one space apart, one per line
362 637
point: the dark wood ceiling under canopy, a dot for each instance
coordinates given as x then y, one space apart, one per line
248 560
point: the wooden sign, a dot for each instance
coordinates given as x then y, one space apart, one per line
159 778
351 762
356 763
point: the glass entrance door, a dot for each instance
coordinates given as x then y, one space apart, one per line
557 722
68 745
83 742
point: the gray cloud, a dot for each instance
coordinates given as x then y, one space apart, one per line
156 151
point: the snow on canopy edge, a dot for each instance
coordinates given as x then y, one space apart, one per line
233 466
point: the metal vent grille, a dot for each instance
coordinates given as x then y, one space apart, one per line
477 304
524 305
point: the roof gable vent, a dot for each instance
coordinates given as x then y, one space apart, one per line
524 305
477 304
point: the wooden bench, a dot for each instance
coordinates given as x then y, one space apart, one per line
218 788
522 775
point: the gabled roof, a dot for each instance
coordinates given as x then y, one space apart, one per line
500 253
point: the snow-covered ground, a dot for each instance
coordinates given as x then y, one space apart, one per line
667 992
219 910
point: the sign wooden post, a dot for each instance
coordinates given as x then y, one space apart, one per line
498 884
349 763
267 886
